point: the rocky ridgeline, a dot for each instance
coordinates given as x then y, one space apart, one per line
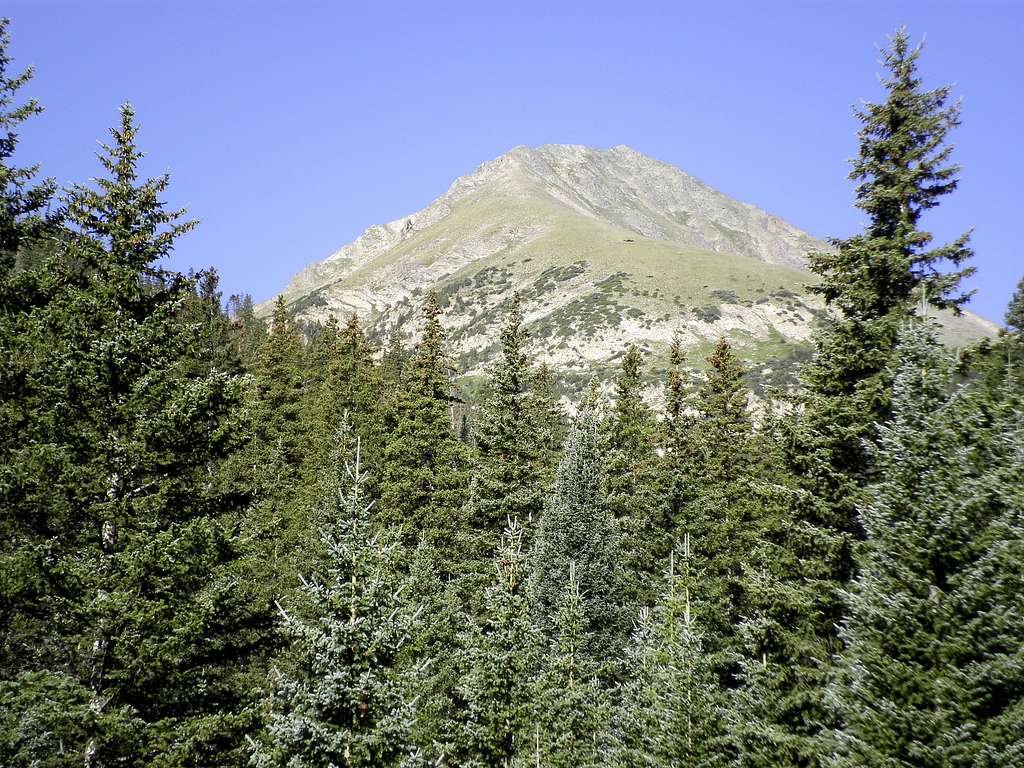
607 248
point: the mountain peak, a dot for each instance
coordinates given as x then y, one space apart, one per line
608 247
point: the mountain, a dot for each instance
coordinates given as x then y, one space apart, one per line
606 247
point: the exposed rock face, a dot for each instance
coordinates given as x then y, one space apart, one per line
607 247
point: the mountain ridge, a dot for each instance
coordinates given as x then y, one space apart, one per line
607 247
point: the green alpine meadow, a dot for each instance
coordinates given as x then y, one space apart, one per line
585 464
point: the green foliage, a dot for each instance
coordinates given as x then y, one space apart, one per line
873 279
1015 310
22 206
632 473
577 528
573 708
672 704
510 457
131 546
425 467
341 700
928 677
493 710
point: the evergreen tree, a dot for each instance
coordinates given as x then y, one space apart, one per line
151 632
671 705
677 447
931 675
343 383
23 216
1015 310
548 420
249 331
508 483
577 527
873 279
572 707
632 473
773 713
493 710
342 701
719 504
23 223
425 470
279 373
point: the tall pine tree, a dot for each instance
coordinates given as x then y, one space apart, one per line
341 700
507 483
577 528
154 630
425 467
930 675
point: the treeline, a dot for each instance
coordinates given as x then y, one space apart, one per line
225 543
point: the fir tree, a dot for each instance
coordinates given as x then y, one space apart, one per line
493 707
572 706
671 705
577 527
342 702
509 466
935 618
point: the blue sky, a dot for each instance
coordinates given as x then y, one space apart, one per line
290 127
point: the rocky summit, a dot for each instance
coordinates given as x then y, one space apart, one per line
606 247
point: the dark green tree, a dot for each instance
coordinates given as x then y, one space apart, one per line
23 203
508 480
632 473
671 709
548 420
23 287
873 280
1015 310
425 467
493 709
573 707
151 631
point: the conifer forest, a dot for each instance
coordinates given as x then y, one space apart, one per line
229 540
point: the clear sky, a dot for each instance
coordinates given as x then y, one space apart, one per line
290 127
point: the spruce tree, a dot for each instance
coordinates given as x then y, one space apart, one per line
508 479
930 675
492 710
152 632
872 280
718 503
341 701
425 467
573 708
632 474
671 706
279 373
577 527
1015 310
548 420
23 287
23 204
